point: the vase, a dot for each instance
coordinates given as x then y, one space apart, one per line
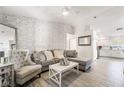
64 62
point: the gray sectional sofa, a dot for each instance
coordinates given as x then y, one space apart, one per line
29 65
45 58
55 55
84 64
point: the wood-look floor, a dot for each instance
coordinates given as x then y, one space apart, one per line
105 72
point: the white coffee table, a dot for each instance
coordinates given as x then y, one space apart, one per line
56 71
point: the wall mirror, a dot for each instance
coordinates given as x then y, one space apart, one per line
8 39
84 40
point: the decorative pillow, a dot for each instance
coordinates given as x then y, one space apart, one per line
48 55
58 53
24 55
38 57
29 61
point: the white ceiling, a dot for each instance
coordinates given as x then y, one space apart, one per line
109 18
54 13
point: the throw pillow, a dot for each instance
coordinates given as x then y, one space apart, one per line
48 55
58 53
38 57
29 61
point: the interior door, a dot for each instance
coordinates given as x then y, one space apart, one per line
72 44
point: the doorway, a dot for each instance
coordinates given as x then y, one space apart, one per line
71 42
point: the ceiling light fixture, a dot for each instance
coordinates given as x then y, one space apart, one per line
66 11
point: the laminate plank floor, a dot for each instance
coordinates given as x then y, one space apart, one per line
105 72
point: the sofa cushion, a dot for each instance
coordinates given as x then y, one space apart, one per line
59 54
38 57
27 70
49 55
21 81
48 62
70 53
81 61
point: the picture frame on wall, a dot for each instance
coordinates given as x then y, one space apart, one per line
84 40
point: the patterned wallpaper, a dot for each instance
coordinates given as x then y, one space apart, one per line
37 34
51 35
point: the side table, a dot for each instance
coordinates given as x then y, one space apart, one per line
7 75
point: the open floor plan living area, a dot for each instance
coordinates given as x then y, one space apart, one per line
61 46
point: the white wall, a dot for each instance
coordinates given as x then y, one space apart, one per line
37 34
84 51
105 24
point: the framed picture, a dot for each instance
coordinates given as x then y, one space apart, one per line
84 40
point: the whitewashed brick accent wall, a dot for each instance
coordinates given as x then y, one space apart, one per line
34 34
